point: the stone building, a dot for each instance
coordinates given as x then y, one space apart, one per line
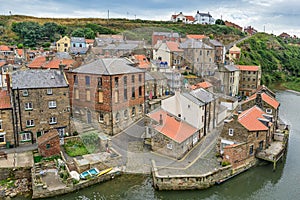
248 133
41 103
230 77
63 44
166 36
199 56
107 94
49 144
219 50
170 135
234 54
250 78
6 123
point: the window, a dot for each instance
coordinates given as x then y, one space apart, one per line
75 80
251 150
132 92
52 104
25 136
125 94
133 111
61 132
230 132
1 126
200 52
117 117
132 78
116 82
269 111
125 80
28 106
29 123
116 96
101 117
141 109
2 138
76 94
87 81
49 91
48 146
25 93
169 146
207 52
88 95
126 114
140 78
53 120
99 82
140 91
257 134
100 99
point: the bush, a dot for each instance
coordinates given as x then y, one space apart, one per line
225 163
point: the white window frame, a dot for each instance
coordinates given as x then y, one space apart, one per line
27 136
61 132
49 91
52 104
230 132
2 135
53 120
29 123
169 146
269 111
28 106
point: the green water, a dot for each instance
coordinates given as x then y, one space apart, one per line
259 183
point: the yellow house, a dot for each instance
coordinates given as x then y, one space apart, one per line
63 45
234 53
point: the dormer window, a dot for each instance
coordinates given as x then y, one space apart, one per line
230 132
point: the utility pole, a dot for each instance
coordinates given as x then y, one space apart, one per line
107 16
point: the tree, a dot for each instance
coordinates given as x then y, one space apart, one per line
220 22
87 33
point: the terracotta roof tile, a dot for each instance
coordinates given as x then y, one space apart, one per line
4 100
173 46
175 129
197 37
2 63
266 98
89 41
20 52
248 68
4 48
37 62
142 61
190 18
54 64
250 119
203 85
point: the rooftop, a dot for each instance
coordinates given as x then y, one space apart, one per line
38 78
250 119
248 68
202 95
172 127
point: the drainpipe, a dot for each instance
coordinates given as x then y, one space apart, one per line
205 126
14 119
111 106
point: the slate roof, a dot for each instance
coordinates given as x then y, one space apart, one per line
231 68
202 95
148 77
4 100
80 50
173 128
122 46
216 43
167 34
157 75
78 39
38 78
108 66
192 43
193 99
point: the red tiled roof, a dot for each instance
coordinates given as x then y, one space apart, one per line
2 63
142 61
175 129
248 68
173 46
4 48
196 37
48 136
37 62
250 119
190 18
89 41
54 63
203 85
20 52
4 100
266 98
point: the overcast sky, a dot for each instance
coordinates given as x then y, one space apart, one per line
273 16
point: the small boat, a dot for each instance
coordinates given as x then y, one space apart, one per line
105 171
89 173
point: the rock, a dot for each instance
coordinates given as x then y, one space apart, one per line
12 195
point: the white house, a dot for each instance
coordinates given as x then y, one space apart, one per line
204 18
182 18
187 108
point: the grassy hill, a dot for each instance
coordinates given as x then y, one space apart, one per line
279 59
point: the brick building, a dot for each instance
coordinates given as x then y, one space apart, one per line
49 144
250 77
41 103
166 36
108 94
6 125
248 133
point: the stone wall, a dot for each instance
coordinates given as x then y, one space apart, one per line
189 182
6 118
17 173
